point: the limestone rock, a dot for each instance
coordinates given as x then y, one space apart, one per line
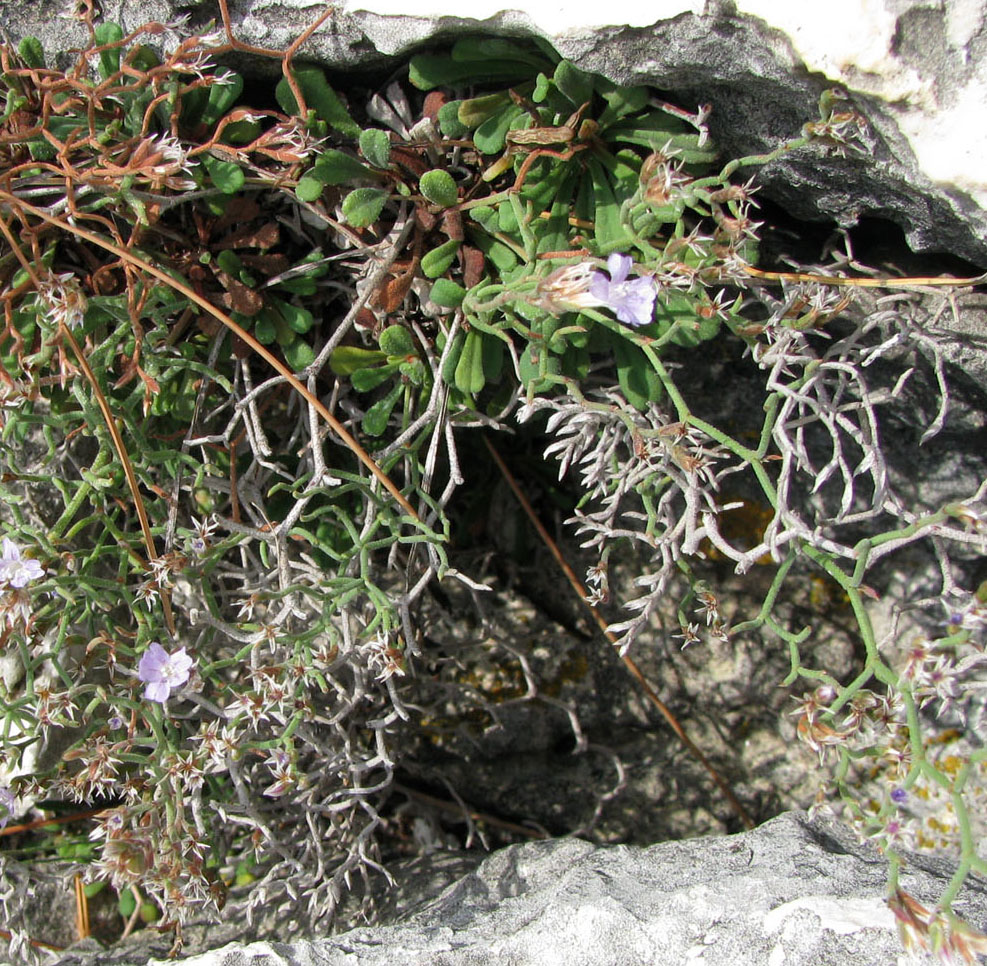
792 891
917 72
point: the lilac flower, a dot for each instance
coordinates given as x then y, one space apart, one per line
633 302
17 570
8 805
163 672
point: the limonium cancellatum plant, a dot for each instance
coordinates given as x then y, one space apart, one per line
239 347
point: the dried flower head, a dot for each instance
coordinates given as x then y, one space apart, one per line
567 289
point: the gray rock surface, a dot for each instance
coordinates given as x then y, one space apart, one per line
917 72
790 892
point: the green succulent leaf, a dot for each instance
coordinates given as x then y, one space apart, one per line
473 112
414 372
143 57
337 167
362 206
452 359
265 328
225 175
474 61
491 136
498 254
438 260
439 187
229 262
308 189
376 417
542 86
576 84
530 367
607 227
300 320
449 123
298 354
364 380
469 377
32 52
447 293
486 217
396 340
493 358
375 146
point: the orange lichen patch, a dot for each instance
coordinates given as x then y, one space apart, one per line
743 526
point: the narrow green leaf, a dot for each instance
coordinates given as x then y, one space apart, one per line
427 71
346 359
439 187
319 97
375 146
362 206
221 98
109 60
452 359
500 51
607 229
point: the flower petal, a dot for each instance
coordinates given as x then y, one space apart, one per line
157 691
619 266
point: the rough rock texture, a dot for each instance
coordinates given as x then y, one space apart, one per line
917 71
790 892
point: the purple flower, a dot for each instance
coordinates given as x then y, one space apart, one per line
633 302
16 570
899 795
163 672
